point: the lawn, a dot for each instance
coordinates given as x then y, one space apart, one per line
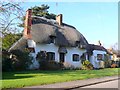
30 78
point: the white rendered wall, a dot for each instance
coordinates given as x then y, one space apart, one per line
53 48
31 43
69 56
93 58
48 48
35 64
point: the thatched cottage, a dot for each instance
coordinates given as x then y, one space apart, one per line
61 42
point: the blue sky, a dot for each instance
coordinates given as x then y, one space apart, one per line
95 20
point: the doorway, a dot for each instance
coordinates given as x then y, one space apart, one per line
62 57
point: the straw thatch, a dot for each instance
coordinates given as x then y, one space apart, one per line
92 47
66 35
42 28
20 44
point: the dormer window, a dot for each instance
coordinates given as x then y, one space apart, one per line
52 39
77 43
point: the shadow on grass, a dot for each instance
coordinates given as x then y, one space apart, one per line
11 75
14 77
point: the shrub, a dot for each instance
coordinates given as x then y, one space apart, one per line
50 65
114 65
108 63
20 60
86 65
43 64
6 61
53 65
47 64
41 55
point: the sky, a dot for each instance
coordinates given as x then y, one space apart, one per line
95 20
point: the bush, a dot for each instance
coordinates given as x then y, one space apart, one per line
86 65
47 64
20 60
15 60
50 65
108 63
53 65
114 65
6 61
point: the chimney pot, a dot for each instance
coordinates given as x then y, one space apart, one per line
99 43
59 19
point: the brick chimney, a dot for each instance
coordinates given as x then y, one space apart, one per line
27 24
59 19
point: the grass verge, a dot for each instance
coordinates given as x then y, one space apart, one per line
30 78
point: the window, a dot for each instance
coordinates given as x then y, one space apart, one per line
50 56
78 43
52 39
31 50
99 57
41 55
75 57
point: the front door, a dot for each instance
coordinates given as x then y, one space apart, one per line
62 57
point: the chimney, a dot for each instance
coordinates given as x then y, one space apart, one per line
99 43
59 19
27 24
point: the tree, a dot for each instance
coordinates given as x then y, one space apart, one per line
42 11
10 13
9 39
115 46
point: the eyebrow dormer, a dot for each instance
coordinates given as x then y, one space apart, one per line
52 38
77 44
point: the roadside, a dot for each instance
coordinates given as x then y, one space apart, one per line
109 84
77 83
37 77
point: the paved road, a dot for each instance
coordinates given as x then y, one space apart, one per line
110 84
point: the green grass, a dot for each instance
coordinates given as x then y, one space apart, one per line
30 78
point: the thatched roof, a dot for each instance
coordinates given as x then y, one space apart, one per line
97 47
20 44
92 47
66 35
42 28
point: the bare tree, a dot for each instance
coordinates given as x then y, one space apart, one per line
115 46
10 15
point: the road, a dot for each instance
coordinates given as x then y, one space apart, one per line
110 84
